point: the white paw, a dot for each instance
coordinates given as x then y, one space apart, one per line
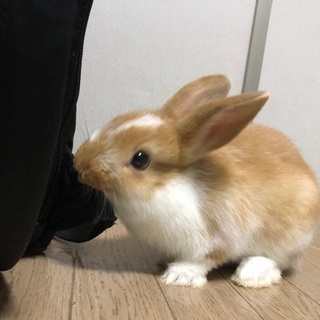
256 272
185 274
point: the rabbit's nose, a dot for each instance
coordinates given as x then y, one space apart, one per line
91 176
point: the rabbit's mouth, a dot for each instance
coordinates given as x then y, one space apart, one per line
94 176
90 178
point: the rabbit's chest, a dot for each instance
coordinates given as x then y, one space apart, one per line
171 221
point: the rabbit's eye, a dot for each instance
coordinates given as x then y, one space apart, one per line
140 160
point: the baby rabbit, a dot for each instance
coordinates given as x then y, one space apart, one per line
202 185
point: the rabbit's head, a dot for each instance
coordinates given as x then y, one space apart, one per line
139 152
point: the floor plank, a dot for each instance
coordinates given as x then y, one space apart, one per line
317 233
38 288
307 277
312 255
216 300
308 281
114 281
316 242
282 301
116 277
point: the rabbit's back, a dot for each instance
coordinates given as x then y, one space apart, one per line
260 194
270 150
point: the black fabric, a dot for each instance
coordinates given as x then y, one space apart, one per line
40 62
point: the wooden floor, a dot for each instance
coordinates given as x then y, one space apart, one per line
115 277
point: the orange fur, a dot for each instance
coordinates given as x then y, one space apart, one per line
255 194
278 181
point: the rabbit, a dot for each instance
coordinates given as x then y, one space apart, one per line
204 186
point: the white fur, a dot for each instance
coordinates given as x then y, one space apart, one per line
187 274
95 135
257 272
237 239
147 120
170 221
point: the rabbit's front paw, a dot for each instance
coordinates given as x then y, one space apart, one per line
185 274
256 272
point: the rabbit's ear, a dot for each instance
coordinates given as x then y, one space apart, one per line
214 124
195 93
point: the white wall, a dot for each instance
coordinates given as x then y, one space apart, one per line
138 53
291 73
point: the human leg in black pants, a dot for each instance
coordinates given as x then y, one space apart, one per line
41 51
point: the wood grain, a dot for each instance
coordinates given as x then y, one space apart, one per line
116 277
283 301
312 255
317 234
38 288
217 300
114 281
306 278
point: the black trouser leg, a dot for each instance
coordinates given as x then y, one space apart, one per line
41 43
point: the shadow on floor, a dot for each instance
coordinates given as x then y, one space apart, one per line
6 303
121 254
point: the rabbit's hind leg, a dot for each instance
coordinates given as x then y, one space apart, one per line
257 272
